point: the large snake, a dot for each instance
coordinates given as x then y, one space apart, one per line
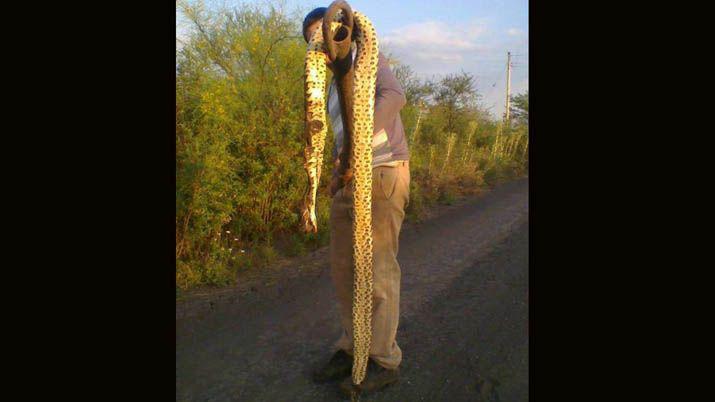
356 92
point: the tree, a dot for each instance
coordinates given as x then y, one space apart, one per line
416 91
456 97
520 108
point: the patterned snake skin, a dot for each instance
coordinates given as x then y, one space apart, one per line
360 162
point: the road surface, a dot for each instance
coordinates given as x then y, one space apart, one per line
463 325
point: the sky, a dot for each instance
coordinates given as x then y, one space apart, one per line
440 37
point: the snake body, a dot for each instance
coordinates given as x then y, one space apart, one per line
356 89
315 124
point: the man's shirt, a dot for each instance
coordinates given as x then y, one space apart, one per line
389 143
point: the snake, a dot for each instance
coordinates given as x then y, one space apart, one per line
331 42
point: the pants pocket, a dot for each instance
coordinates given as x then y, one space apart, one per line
405 178
387 178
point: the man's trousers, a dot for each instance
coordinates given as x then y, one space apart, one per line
390 196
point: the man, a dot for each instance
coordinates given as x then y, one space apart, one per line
390 196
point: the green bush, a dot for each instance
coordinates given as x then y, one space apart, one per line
264 255
296 246
239 143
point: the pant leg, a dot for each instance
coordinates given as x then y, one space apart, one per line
390 195
341 264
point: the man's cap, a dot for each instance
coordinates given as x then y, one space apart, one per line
313 16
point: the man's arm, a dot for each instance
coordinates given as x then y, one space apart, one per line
389 96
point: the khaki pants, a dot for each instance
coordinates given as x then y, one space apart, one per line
390 196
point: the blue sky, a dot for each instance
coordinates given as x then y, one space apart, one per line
446 36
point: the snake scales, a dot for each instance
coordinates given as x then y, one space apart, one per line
331 42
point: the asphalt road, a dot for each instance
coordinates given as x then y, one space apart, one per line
463 326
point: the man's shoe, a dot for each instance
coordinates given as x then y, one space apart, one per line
376 378
339 366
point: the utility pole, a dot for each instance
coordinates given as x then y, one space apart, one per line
508 86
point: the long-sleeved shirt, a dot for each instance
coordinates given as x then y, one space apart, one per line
389 143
